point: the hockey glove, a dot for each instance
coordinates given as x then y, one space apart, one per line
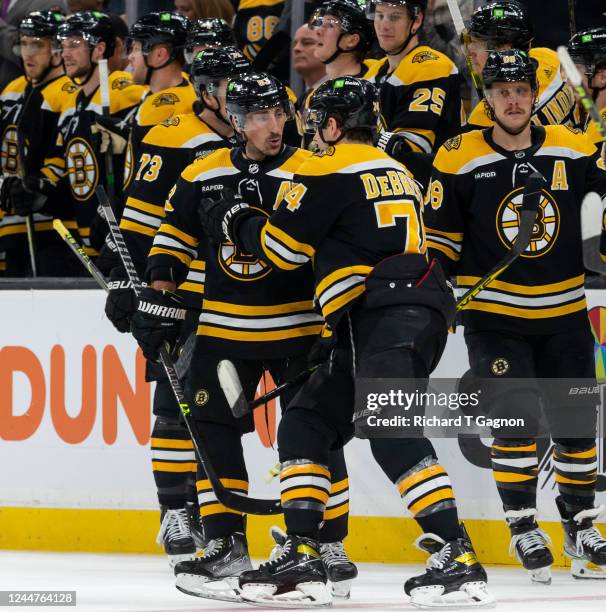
321 350
110 133
157 321
108 257
121 301
98 229
25 196
392 143
220 218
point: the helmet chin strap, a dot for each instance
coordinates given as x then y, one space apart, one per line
405 44
330 143
337 52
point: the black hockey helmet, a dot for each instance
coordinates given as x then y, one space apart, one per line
92 26
509 67
41 24
502 23
255 91
414 6
161 27
354 103
213 32
215 64
588 47
352 18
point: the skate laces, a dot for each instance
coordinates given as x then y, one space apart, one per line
333 553
276 556
280 539
529 541
590 537
438 560
174 526
214 547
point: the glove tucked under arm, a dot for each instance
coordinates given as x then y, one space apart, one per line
25 195
157 321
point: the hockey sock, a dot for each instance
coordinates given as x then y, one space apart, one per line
336 515
427 492
576 474
515 467
224 447
173 462
305 488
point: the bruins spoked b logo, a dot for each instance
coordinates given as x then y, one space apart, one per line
546 227
82 168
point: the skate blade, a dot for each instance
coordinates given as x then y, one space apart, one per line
341 589
222 590
305 595
540 575
583 569
470 595
174 559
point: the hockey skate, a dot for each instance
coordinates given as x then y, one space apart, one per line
530 544
175 535
294 577
341 571
215 575
583 543
195 525
454 577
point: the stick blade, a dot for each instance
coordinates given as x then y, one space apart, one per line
232 388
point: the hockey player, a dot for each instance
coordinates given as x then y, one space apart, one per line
587 49
532 322
254 24
419 86
360 249
166 150
211 32
156 58
343 37
504 25
258 318
76 158
31 106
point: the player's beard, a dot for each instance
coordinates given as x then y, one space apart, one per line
81 72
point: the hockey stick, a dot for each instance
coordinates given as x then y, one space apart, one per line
108 156
457 20
234 393
574 76
528 215
572 21
241 503
228 375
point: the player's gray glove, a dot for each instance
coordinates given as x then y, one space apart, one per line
392 143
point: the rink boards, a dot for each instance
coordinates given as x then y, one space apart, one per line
74 429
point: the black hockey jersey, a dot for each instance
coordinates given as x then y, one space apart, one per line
166 151
420 99
29 128
76 158
348 209
153 110
472 213
249 310
254 24
555 102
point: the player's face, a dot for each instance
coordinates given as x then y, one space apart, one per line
263 130
36 54
512 104
479 50
327 32
76 56
392 25
136 62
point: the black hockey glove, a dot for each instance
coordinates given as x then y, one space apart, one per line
220 218
321 350
121 301
98 229
157 321
26 195
393 144
108 257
